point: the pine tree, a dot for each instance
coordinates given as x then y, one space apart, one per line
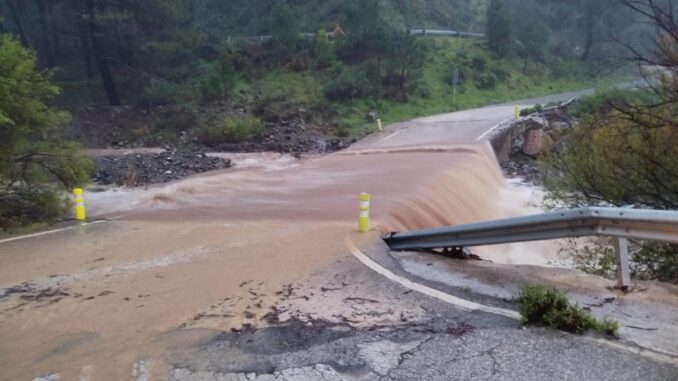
499 28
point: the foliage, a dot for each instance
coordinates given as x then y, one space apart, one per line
349 83
281 95
549 307
616 162
232 129
33 165
625 151
217 79
499 28
596 257
284 30
533 37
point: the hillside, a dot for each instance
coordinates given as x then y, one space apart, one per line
186 72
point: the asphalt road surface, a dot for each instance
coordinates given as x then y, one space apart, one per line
245 274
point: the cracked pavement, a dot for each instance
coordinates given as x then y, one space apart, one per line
444 344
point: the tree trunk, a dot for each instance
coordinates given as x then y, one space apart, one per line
100 55
54 32
45 33
18 19
83 38
125 41
588 46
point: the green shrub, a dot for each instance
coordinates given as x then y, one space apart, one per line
349 84
531 110
35 167
233 129
601 102
281 95
500 72
485 81
27 206
216 79
160 93
549 307
479 63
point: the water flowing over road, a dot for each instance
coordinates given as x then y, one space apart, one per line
218 253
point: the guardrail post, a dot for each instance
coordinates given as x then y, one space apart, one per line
621 248
79 201
364 217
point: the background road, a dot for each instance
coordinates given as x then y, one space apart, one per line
243 274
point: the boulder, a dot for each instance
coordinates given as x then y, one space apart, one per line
559 125
533 141
535 121
372 116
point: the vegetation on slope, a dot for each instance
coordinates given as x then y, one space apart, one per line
625 152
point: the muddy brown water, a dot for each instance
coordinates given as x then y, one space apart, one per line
228 242
411 188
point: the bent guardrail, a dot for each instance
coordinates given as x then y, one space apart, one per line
620 223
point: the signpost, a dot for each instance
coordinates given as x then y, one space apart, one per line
455 83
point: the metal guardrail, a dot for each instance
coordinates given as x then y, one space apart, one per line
445 33
620 223
332 34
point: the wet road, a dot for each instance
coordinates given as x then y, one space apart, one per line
244 274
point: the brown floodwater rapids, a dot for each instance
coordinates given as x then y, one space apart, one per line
190 254
411 188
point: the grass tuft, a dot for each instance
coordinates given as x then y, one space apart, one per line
549 307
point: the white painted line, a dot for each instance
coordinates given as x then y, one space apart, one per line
447 298
481 137
49 232
392 135
469 305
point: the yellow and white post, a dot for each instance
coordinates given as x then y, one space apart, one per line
364 218
517 112
380 128
79 200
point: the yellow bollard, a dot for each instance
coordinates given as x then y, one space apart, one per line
364 218
517 112
79 200
379 126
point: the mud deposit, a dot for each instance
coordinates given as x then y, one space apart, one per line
151 168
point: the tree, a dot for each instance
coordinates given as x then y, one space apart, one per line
33 164
499 29
16 12
625 152
102 58
404 63
534 41
285 29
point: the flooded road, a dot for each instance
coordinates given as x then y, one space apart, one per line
216 251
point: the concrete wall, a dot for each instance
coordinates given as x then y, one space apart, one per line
501 140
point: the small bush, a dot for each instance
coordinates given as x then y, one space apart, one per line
280 95
531 110
602 101
233 129
217 79
500 72
485 81
549 307
348 84
30 205
479 63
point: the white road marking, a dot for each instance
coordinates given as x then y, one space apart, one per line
392 135
481 137
447 298
473 306
50 231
